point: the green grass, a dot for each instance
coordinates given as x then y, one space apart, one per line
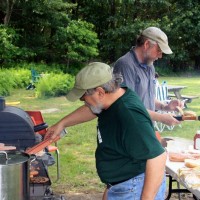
77 149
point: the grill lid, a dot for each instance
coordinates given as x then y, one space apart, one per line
16 127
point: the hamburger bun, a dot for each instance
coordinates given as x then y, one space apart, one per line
190 113
191 163
181 157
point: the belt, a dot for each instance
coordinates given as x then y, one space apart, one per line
109 185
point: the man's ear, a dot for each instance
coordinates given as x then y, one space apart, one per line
101 92
146 44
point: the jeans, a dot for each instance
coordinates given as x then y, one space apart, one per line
132 189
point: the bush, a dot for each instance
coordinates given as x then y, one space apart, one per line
6 83
52 85
21 77
13 78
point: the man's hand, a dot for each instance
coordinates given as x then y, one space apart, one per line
168 119
172 106
165 118
54 131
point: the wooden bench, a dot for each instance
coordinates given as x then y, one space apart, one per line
187 98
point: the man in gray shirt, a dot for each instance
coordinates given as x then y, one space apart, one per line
138 72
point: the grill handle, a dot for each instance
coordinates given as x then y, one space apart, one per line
40 127
6 155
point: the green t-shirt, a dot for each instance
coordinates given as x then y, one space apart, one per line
125 139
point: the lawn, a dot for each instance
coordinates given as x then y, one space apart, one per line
77 149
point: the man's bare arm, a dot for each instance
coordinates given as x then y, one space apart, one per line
82 114
165 118
154 174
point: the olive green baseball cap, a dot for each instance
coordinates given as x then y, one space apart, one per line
158 36
91 76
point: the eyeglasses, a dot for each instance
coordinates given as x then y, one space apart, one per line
158 49
88 93
154 43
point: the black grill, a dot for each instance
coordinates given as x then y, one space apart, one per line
16 127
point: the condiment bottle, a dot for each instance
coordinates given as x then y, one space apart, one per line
197 140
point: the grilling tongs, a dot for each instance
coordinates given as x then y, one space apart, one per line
39 147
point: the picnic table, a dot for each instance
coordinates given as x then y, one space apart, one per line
172 170
176 89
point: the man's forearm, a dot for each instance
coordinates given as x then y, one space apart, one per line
82 114
154 174
155 116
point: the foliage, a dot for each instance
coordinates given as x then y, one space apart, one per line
121 21
21 77
52 85
77 41
7 48
6 83
9 51
74 32
185 29
13 78
50 34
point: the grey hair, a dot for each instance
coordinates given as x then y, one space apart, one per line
109 87
141 40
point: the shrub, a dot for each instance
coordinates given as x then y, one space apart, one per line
13 78
52 85
6 83
21 77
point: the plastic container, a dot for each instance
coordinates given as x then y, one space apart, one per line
197 140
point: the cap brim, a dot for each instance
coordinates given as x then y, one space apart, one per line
165 49
75 94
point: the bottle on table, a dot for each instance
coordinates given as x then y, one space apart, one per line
197 140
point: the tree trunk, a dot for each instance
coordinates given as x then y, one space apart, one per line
197 62
9 9
112 26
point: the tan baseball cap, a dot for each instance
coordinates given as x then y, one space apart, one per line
158 36
91 76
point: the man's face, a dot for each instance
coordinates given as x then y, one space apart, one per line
93 102
152 53
95 109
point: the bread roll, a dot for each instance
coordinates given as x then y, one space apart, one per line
189 113
180 110
176 157
191 163
181 157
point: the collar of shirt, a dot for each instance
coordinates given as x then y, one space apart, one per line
142 65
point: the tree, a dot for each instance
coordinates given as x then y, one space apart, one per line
38 24
119 22
77 42
7 9
185 30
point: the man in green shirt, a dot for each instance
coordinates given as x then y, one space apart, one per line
129 158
